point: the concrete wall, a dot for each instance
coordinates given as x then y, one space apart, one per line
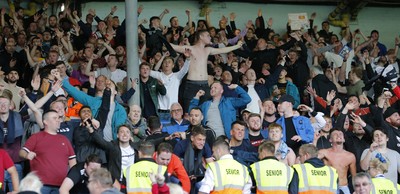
383 19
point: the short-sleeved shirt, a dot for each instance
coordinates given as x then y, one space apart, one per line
53 153
5 163
78 176
392 157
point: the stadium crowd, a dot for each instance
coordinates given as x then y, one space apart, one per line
223 109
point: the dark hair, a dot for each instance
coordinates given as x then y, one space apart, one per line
164 147
83 107
335 129
254 115
144 64
147 148
173 17
196 108
384 131
198 34
325 22
198 130
153 122
123 125
93 158
239 122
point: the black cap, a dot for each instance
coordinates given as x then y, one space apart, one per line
286 98
389 112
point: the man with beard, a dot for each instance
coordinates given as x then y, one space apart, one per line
338 158
12 79
255 134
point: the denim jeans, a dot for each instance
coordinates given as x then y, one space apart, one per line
50 190
7 177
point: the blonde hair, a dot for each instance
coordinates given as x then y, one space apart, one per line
377 164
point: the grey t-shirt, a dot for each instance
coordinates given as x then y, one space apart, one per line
392 157
214 120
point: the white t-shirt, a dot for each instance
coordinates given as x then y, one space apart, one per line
171 83
117 76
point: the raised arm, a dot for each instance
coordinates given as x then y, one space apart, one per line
31 105
215 51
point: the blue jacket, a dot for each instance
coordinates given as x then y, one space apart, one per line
227 108
119 116
303 128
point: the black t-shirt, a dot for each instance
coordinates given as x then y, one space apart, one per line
290 132
78 176
149 107
256 140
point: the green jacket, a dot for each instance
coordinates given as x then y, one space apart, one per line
155 89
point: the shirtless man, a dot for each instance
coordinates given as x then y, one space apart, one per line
197 78
339 158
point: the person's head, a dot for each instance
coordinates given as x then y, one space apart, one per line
307 151
85 112
391 115
92 162
269 107
355 74
101 25
245 115
59 106
336 136
261 44
325 26
145 68
328 126
174 22
220 148
21 39
176 111
89 18
115 21
375 34
293 55
216 90
355 101
362 183
53 21
101 82
251 75
379 136
286 103
112 60
12 76
203 36
275 133
100 180
164 154
155 22
378 165
51 121
135 112
254 121
146 149
124 134
198 137
31 182
237 130
226 77
5 104
33 27
217 71
195 116
154 124
265 149
52 57
62 68
168 64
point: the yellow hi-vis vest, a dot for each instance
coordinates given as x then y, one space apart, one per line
383 185
138 176
316 180
229 176
272 176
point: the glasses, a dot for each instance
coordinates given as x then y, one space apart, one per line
176 110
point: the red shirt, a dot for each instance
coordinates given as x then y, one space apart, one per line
53 153
5 163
